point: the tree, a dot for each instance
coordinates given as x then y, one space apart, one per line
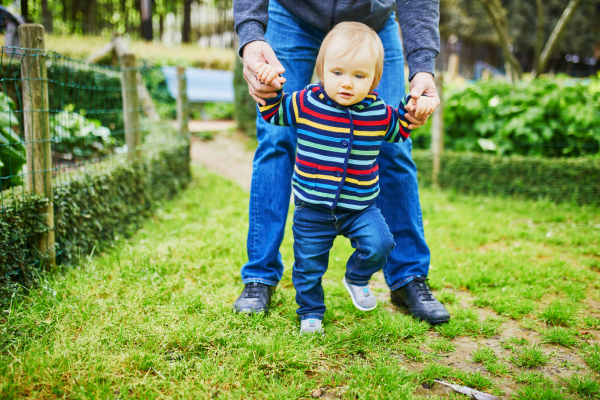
25 10
146 17
497 16
91 17
46 17
555 37
187 21
530 25
496 13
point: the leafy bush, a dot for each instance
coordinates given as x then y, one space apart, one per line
156 82
542 117
560 180
89 211
212 111
75 136
12 152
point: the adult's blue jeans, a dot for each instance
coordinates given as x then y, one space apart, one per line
315 228
296 45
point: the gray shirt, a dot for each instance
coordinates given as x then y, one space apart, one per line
419 21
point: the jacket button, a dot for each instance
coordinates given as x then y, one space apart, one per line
338 173
344 142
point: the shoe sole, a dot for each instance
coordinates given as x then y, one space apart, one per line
354 301
250 311
400 302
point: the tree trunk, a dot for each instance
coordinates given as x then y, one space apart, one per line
557 33
187 21
146 14
91 17
25 10
46 17
125 14
161 26
74 11
496 15
539 40
65 8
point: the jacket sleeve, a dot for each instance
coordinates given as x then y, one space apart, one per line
419 21
282 110
398 127
250 21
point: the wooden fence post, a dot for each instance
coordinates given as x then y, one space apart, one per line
133 135
453 66
437 131
183 110
36 125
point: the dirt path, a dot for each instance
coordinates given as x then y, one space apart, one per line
228 154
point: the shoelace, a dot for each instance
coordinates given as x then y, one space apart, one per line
423 289
253 290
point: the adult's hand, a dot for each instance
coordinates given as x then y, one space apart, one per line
254 53
422 83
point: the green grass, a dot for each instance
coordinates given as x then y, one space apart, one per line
530 357
560 312
498 368
560 336
591 355
442 346
584 386
187 55
539 393
483 355
151 318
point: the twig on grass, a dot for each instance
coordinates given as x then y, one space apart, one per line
159 374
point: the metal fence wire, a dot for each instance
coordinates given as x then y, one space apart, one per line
63 120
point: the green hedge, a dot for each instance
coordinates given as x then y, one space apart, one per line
89 212
575 180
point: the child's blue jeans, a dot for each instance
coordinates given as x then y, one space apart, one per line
315 228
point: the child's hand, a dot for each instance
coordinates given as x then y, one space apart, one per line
267 73
421 107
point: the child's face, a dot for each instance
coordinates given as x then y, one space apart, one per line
347 79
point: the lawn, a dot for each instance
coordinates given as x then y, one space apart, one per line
151 317
183 55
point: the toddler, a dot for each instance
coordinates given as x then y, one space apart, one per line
341 123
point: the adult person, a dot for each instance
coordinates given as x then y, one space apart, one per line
287 34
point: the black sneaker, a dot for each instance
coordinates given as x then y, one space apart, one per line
255 298
417 297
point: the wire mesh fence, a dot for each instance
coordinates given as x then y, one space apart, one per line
63 123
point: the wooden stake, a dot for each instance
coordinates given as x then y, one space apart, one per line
183 110
133 135
453 64
437 132
36 124
121 48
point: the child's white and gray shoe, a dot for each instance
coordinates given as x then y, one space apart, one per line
362 297
311 325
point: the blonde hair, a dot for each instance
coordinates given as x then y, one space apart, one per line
354 35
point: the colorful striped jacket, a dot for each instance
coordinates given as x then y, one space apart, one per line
336 158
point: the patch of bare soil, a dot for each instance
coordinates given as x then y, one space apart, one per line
226 154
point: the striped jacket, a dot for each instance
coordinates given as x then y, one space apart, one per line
336 158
